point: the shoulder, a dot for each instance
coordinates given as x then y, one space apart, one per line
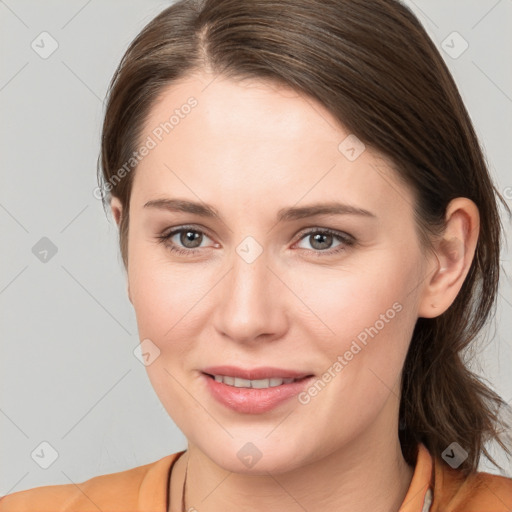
476 492
121 491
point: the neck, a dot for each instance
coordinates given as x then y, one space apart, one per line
363 476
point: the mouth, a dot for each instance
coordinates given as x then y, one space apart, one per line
239 382
271 388
254 390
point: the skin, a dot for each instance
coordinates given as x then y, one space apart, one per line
249 149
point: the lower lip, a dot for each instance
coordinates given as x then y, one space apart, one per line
252 400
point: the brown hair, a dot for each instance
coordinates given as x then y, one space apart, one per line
373 66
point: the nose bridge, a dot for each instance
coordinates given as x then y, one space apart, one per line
249 280
249 298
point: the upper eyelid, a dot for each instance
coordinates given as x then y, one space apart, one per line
179 229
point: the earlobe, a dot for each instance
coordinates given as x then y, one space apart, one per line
117 209
454 254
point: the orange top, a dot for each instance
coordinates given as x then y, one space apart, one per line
145 489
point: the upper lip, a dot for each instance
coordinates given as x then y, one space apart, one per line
262 372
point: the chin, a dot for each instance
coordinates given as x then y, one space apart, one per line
256 458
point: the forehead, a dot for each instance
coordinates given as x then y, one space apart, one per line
243 109
251 139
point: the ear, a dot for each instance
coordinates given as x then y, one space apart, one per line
454 253
117 209
117 212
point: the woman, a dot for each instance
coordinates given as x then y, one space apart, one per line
312 239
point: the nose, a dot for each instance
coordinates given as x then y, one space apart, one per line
251 300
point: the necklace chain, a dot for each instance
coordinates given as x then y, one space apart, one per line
183 506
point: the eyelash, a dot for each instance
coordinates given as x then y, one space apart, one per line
346 239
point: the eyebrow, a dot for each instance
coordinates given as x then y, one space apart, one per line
284 214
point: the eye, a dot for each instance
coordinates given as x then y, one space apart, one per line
189 236
321 240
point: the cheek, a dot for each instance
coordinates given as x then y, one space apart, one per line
363 319
347 301
165 299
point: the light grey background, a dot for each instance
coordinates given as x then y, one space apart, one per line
68 373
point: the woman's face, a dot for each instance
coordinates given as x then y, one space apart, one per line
253 287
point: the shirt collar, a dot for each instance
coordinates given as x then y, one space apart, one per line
419 494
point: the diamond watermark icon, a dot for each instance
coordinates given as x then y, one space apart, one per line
44 250
351 147
44 455
249 454
249 249
146 352
454 45
454 455
44 45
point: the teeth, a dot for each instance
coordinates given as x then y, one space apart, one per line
257 383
